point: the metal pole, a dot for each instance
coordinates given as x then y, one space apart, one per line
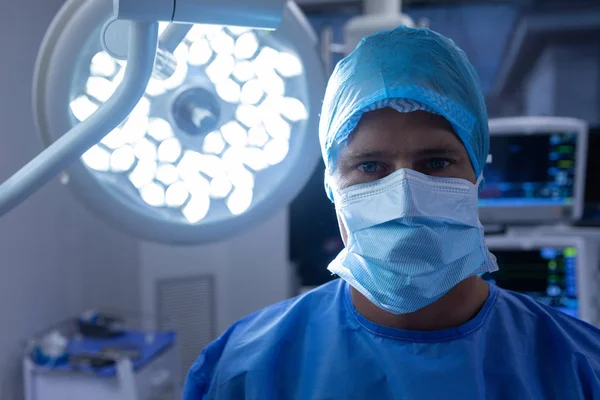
173 36
374 7
68 148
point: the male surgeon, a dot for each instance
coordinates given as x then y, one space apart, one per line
404 136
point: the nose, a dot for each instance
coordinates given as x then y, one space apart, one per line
403 162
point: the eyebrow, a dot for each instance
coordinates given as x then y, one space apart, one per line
388 154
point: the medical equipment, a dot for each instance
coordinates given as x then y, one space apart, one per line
186 140
411 238
535 171
591 210
94 324
142 49
558 271
250 13
378 15
51 350
134 366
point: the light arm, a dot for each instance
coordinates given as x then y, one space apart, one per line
261 14
143 38
173 36
45 166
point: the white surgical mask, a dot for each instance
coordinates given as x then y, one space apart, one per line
411 238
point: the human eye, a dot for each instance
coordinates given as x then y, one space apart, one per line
438 163
369 167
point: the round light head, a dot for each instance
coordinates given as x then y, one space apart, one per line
225 141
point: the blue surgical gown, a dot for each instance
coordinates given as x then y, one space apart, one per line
317 347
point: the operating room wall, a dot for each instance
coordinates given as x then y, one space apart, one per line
250 270
57 258
565 81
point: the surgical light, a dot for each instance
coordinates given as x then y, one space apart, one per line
223 139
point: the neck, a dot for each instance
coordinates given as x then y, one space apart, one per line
455 308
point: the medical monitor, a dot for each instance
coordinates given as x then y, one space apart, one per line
591 210
535 172
553 270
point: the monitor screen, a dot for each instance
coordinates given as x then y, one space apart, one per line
530 170
547 274
591 213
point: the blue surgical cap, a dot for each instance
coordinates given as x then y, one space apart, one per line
407 69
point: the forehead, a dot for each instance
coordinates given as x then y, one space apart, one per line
390 130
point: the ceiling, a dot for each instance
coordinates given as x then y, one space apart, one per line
334 6
405 2
329 5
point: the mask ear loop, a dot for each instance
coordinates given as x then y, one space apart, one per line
333 194
328 188
333 153
480 183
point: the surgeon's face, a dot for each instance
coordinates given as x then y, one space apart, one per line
386 141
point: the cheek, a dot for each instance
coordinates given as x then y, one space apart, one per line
463 170
469 174
339 179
